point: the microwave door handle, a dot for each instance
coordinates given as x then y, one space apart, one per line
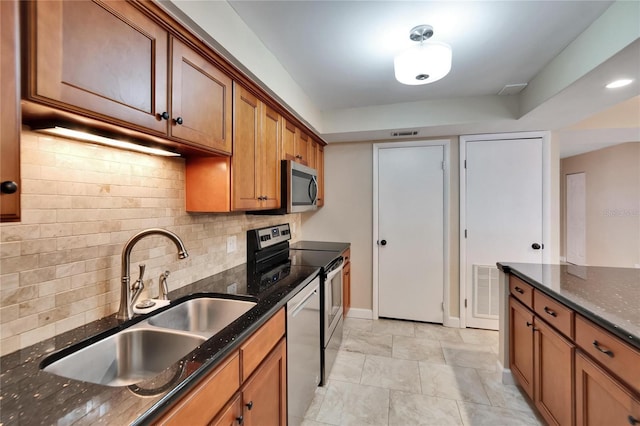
313 189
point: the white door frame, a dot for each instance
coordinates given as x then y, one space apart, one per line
546 202
445 143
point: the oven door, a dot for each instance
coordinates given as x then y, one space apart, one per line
333 300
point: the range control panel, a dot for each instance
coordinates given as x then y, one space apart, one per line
273 235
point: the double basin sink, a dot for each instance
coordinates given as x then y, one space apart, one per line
147 348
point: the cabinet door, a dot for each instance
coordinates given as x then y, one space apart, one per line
264 395
313 149
201 100
521 342
106 60
232 415
553 369
346 286
320 168
288 141
302 146
601 399
270 158
10 117
245 183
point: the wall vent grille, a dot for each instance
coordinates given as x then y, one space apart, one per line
485 292
404 133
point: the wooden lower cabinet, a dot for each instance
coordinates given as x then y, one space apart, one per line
264 395
225 398
346 283
521 337
553 375
600 398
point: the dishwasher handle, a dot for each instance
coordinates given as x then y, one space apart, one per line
300 306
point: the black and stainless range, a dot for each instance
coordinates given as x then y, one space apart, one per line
328 257
268 263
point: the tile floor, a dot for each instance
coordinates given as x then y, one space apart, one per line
404 373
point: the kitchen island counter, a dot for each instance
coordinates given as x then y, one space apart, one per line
607 296
31 396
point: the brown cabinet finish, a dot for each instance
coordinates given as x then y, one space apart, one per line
302 147
208 184
231 415
601 399
346 282
264 395
521 336
553 372
201 100
618 357
255 165
254 350
10 117
204 402
556 314
288 140
521 291
126 82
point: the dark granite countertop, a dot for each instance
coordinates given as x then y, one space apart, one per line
30 396
610 297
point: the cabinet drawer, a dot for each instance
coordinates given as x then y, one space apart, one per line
208 397
521 291
554 313
256 348
615 355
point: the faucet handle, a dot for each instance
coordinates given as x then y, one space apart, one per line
142 267
164 288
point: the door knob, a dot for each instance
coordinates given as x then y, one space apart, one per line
536 246
8 187
383 242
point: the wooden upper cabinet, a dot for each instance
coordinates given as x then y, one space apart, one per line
112 62
245 185
201 100
288 150
302 147
99 58
10 117
255 165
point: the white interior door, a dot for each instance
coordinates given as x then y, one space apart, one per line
411 231
576 219
503 218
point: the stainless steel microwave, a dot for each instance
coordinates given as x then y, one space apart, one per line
299 189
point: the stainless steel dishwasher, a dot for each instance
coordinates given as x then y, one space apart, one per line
303 350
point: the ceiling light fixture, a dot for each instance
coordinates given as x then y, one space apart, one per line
424 63
60 130
619 83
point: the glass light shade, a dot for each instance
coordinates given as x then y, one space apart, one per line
424 63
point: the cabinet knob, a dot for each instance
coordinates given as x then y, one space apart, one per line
164 115
8 187
240 420
249 405
178 120
633 420
529 324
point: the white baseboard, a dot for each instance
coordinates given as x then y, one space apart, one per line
507 376
453 322
360 313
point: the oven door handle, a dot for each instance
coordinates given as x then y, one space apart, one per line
335 272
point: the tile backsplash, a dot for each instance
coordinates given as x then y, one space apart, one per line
60 266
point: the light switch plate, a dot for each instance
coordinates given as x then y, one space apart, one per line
231 244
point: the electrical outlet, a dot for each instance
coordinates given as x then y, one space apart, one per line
232 288
231 244
293 228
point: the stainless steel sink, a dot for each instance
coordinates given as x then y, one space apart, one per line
149 347
127 357
205 316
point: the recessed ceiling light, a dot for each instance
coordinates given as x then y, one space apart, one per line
619 83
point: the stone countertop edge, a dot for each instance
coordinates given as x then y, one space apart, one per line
615 329
207 356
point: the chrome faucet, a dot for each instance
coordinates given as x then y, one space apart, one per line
125 311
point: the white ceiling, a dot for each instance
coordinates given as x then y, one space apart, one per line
341 52
331 62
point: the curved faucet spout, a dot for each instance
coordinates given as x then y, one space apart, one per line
125 311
